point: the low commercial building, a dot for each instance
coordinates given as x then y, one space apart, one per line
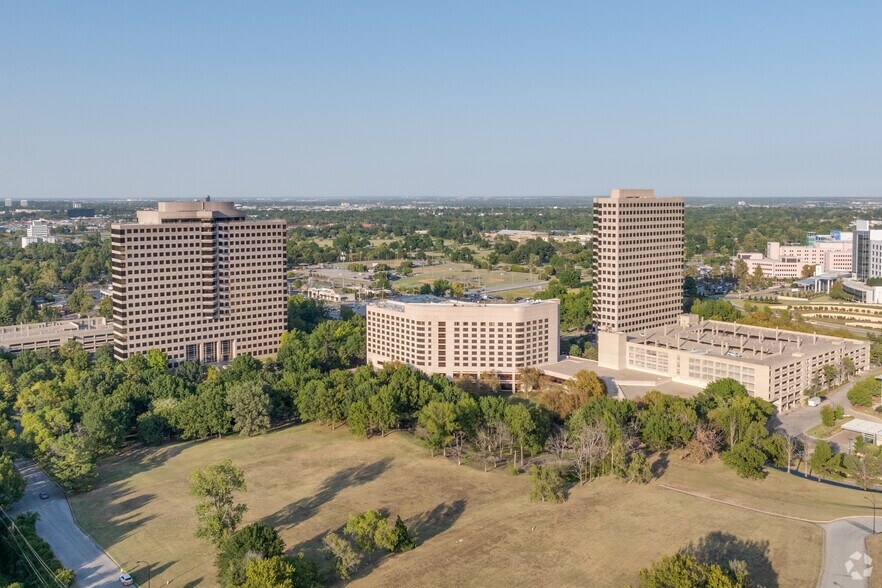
463 339
330 295
772 364
782 262
91 333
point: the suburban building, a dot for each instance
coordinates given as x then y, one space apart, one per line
8 202
91 333
463 339
772 364
330 295
638 261
37 232
867 251
787 261
198 281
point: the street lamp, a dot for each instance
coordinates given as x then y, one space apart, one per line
149 575
867 498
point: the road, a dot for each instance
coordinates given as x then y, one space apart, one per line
56 526
802 419
845 562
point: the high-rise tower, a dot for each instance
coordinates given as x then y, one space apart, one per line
198 281
638 260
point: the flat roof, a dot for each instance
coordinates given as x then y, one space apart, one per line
758 345
863 426
429 299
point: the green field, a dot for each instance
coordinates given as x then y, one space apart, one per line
474 528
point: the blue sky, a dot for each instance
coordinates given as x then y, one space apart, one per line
343 99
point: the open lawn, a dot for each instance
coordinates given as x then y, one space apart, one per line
466 273
780 492
474 528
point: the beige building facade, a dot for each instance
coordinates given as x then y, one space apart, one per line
463 339
638 261
91 333
772 364
198 281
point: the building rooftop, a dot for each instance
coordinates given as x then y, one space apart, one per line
758 345
863 426
429 299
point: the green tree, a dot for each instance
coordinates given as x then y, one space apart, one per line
105 307
546 484
587 383
365 527
746 460
830 373
12 484
666 421
257 540
437 421
684 571
217 514
249 407
395 538
862 392
828 416
825 461
80 302
273 572
71 463
528 426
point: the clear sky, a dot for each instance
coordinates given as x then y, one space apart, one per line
442 98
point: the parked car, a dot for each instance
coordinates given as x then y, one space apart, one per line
43 496
126 580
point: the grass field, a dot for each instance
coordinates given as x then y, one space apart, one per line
474 528
464 272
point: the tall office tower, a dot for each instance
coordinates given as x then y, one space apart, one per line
638 261
8 202
24 203
866 256
199 282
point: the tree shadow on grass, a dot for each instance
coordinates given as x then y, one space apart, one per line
306 507
422 527
119 516
721 548
660 465
138 459
434 522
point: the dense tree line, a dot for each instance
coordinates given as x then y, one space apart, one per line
73 408
37 272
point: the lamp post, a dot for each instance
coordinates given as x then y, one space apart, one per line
873 501
149 575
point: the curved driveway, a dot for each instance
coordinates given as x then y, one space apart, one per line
845 564
56 526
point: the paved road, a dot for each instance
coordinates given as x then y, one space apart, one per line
56 526
845 562
802 419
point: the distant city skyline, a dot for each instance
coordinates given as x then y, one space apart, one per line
356 100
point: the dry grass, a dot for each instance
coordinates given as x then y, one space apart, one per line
780 492
874 550
474 528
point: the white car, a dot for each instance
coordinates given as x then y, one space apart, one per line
126 580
